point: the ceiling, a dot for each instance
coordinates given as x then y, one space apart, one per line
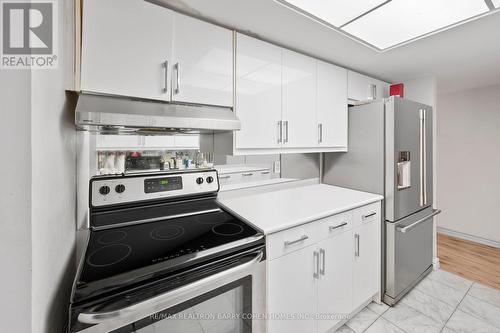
460 58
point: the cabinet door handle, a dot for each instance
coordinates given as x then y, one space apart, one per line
247 174
165 86
178 78
356 240
316 264
333 227
286 131
265 172
320 133
301 239
322 253
224 177
364 217
280 131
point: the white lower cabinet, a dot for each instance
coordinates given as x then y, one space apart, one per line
365 261
321 272
292 291
334 294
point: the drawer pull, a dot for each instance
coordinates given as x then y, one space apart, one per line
247 174
265 172
333 227
224 177
301 239
369 215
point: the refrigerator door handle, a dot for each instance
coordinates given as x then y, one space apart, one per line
414 224
423 159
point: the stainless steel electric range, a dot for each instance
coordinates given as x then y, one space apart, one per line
162 256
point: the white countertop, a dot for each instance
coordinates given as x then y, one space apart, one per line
283 209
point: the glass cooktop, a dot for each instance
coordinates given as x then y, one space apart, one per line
120 250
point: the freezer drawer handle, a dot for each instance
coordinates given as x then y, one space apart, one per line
301 239
413 225
333 227
364 217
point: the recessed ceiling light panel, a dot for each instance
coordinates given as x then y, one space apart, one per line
384 24
403 20
335 12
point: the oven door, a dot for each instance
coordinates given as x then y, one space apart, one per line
230 301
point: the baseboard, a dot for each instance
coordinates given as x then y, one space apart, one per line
435 264
468 237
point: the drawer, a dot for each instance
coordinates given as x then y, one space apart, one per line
366 214
287 241
334 225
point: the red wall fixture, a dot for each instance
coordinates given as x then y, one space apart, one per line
397 90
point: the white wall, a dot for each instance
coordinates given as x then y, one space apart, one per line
424 90
15 201
37 200
469 162
53 194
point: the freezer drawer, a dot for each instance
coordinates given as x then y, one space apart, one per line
408 252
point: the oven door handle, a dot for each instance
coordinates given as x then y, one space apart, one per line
171 298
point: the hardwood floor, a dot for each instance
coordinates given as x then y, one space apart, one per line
476 262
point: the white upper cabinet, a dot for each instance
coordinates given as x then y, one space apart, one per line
299 100
362 87
331 105
125 46
202 62
258 93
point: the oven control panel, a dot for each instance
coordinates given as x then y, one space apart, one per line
114 190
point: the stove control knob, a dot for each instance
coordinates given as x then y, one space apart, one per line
104 190
199 180
120 188
210 179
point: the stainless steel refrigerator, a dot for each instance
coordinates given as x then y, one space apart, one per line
390 153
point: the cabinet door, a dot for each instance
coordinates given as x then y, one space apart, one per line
258 93
202 62
360 87
159 141
366 261
187 141
292 290
125 47
331 105
335 282
299 101
118 141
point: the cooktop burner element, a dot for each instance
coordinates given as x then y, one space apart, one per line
112 237
167 232
227 229
109 255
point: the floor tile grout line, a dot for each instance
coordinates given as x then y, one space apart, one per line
458 305
483 300
423 314
379 315
393 323
444 284
474 315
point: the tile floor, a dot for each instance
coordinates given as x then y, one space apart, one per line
442 302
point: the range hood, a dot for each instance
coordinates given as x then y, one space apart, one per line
121 115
